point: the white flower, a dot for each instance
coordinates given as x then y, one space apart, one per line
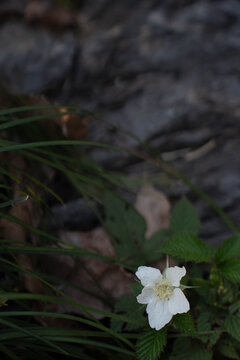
162 294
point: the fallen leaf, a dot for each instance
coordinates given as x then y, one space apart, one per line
107 281
72 126
154 207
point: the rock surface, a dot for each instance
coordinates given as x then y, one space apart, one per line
33 59
167 72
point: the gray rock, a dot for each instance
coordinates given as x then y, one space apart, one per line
32 59
170 78
162 72
75 215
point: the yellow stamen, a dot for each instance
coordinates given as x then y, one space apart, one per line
163 289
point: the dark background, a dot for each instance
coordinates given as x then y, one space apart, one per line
166 71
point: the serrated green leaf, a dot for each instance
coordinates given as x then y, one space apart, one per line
235 307
152 247
136 287
181 347
232 324
128 305
230 269
187 247
190 349
203 324
226 348
227 292
199 352
184 322
150 345
214 337
185 218
126 226
229 249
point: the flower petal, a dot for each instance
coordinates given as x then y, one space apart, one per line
158 314
146 296
174 274
178 302
148 275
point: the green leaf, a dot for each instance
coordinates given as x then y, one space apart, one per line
187 247
137 288
203 324
226 348
190 349
231 270
126 226
232 324
214 337
153 246
151 343
181 347
199 352
229 249
235 307
185 218
128 305
184 322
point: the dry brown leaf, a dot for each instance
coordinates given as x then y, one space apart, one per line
106 280
154 207
72 126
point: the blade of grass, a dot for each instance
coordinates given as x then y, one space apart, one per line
41 339
13 202
74 251
32 108
54 299
63 316
31 119
39 144
7 351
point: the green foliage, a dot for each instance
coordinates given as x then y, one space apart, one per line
186 348
136 287
226 348
187 247
152 248
229 249
128 305
231 270
150 344
185 218
13 202
235 307
203 325
216 333
184 323
126 226
232 324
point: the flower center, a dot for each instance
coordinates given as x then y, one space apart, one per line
163 289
